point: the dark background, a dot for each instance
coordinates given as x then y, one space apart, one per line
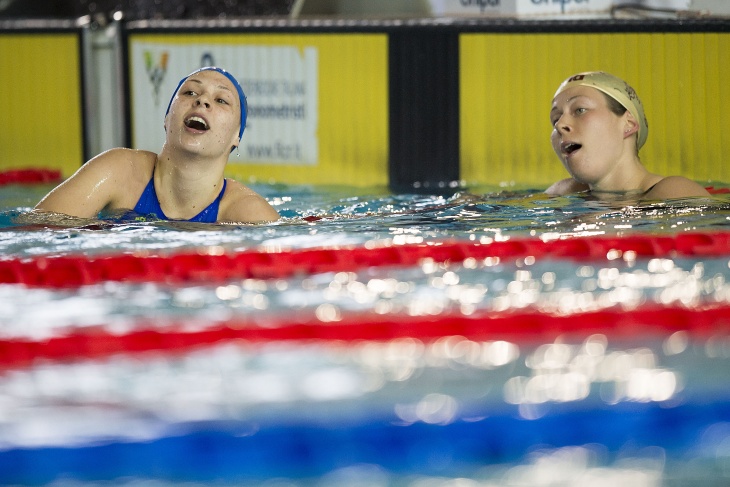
144 9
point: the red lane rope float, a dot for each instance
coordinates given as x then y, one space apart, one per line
72 271
29 176
522 327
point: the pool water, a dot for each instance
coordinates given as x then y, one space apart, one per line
521 370
340 216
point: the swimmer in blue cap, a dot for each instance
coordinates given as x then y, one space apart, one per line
204 122
239 90
599 126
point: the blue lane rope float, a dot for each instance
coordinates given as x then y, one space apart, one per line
230 452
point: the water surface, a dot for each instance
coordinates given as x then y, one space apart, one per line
339 216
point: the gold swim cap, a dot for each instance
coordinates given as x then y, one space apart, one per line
617 89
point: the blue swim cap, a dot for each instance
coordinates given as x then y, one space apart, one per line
241 95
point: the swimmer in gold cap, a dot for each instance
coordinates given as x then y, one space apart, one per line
599 126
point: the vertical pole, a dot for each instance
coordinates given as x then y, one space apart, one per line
104 91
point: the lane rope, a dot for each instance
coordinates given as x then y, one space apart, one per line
519 327
29 176
72 271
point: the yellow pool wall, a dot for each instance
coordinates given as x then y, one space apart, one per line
40 82
506 85
508 81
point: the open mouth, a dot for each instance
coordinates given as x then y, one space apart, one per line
196 123
571 147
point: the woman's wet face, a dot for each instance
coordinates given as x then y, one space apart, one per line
206 105
587 135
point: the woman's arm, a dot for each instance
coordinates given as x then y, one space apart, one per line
106 180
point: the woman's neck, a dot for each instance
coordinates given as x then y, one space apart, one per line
627 176
186 185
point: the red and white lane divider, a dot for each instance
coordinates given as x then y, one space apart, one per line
520 327
71 271
30 176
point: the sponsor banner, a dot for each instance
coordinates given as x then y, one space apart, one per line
280 83
522 7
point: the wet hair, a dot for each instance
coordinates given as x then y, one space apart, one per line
614 105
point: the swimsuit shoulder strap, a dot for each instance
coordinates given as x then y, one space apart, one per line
148 203
652 186
210 213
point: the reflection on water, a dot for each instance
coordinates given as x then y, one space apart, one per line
589 408
564 412
470 288
313 217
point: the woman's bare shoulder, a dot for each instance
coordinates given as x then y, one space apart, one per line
675 187
113 179
241 204
566 186
123 160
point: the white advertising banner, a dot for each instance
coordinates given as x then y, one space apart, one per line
280 83
552 8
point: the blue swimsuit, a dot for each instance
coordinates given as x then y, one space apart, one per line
148 204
